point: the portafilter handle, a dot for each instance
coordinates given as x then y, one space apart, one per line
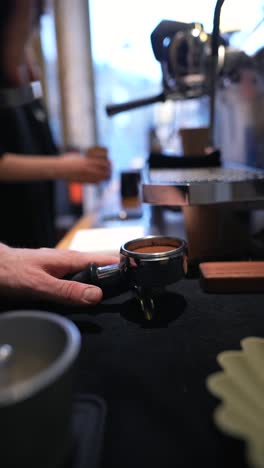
110 278
113 109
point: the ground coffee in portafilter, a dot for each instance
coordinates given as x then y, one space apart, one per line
152 249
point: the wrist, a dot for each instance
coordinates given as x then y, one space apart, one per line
56 168
65 164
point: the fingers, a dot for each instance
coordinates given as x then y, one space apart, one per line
40 274
77 259
99 166
97 152
70 261
103 259
96 170
76 168
71 292
98 162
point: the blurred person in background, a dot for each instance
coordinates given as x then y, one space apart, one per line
29 160
26 217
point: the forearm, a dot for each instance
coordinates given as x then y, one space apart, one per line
14 168
71 167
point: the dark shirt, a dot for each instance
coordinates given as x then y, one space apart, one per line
27 208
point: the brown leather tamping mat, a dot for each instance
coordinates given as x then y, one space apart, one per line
232 277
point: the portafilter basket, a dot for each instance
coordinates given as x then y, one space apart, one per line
147 265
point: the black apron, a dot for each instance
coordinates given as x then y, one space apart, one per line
27 217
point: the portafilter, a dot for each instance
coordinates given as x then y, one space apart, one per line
147 265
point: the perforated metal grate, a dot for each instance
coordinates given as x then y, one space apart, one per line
218 174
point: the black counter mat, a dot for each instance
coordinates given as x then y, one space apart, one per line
153 378
88 425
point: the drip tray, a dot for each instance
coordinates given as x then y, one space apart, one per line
203 186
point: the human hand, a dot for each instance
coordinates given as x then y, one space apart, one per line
96 152
74 167
39 273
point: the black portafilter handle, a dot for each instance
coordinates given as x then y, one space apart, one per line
118 108
110 278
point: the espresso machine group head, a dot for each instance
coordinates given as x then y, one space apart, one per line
183 51
192 62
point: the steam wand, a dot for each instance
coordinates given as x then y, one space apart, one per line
213 69
117 108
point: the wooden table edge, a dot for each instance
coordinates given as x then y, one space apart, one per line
85 222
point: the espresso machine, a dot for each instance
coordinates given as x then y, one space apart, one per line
218 190
216 200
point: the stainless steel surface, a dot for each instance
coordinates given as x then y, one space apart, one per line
148 272
15 97
6 352
43 346
108 271
36 388
185 187
154 270
129 249
147 305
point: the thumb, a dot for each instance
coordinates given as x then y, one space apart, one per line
72 292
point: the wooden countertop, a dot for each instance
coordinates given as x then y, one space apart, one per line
89 221
85 222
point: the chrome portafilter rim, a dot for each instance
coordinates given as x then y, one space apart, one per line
131 248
